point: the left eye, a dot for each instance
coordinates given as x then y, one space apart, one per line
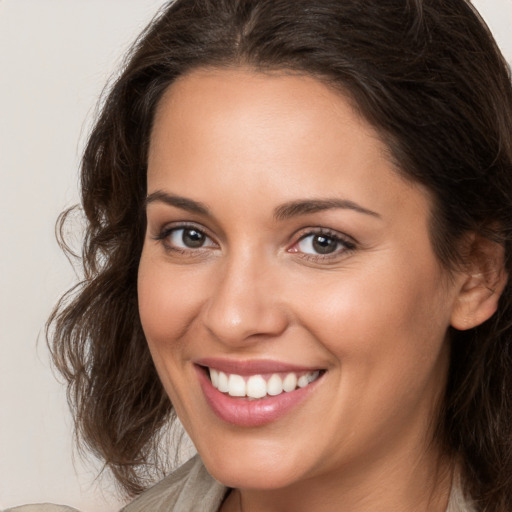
319 244
188 238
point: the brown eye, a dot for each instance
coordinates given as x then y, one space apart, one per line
324 244
186 238
318 244
192 238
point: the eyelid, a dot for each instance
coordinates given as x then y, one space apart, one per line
166 230
320 230
349 244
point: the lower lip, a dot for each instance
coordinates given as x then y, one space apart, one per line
252 413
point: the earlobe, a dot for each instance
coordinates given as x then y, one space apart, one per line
481 284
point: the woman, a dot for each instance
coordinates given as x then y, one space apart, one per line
299 241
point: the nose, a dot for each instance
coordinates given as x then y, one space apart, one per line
244 303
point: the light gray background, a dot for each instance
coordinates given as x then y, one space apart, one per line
55 57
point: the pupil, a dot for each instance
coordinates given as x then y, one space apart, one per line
193 238
324 244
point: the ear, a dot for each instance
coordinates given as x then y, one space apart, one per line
481 283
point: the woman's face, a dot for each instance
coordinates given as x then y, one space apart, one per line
284 250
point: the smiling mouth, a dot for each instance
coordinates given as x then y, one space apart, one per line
260 385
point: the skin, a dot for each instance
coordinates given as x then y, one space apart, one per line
374 313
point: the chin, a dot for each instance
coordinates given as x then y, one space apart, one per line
253 471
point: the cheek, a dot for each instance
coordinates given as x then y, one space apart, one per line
386 337
388 313
168 302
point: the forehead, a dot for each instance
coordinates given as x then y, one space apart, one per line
281 95
282 134
237 99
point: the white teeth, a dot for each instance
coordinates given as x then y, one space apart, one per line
302 382
312 376
236 385
223 383
256 386
214 375
275 385
290 382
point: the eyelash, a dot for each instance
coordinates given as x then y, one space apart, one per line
166 232
343 242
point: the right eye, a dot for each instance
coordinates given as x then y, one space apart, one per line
189 238
185 238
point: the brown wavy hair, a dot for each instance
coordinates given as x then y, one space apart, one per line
426 74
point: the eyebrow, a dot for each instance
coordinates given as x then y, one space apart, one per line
283 212
303 207
177 201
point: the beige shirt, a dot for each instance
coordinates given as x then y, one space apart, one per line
191 489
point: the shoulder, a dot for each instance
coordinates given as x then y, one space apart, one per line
458 501
190 487
41 507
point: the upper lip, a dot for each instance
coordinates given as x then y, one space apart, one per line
252 367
